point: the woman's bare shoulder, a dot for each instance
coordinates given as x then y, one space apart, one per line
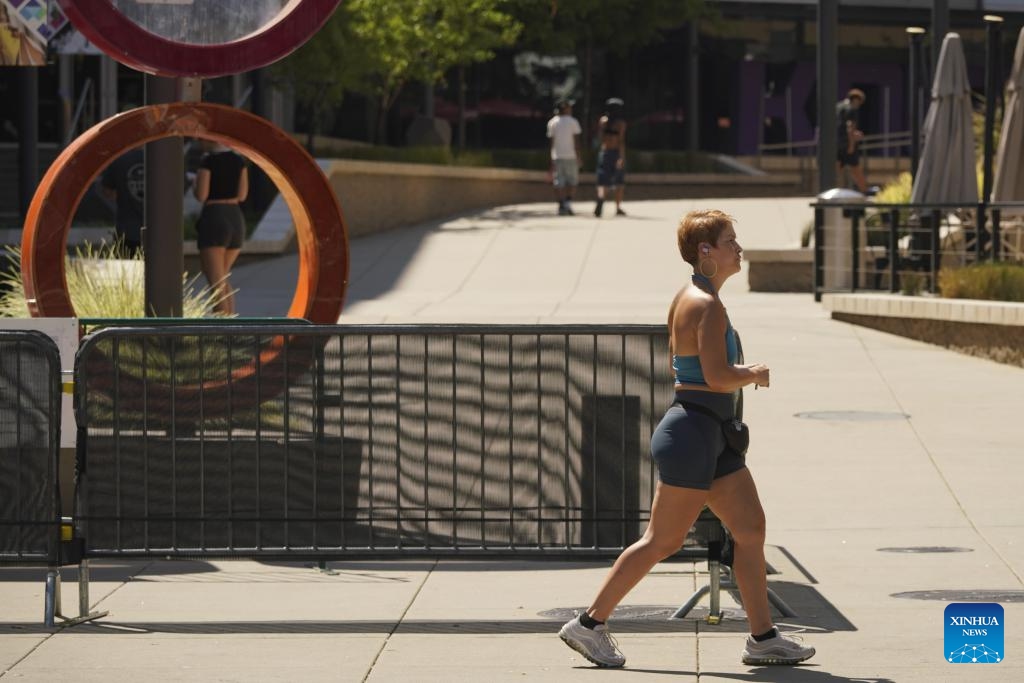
690 303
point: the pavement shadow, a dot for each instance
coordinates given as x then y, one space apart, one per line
803 673
110 571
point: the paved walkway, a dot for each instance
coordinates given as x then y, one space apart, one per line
889 469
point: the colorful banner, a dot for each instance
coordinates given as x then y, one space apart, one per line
26 26
43 18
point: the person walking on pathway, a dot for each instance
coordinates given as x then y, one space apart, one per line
564 131
698 461
849 136
222 184
611 158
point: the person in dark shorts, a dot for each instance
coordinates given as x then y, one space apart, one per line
611 158
221 184
124 183
695 467
848 137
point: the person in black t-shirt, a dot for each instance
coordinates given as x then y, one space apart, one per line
848 137
124 182
222 183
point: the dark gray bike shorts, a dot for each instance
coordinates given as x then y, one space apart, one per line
689 447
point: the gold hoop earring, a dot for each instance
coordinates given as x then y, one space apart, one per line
700 267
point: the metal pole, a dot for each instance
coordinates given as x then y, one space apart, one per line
28 137
886 97
66 92
789 120
993 26
940 27
693 87
915 33
894 248
854 250
828 62
165 189
108 87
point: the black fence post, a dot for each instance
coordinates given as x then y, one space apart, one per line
980 232
996 244
894 247
819 261
854 248
936 219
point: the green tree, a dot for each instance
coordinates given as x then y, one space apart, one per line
335 61
421 40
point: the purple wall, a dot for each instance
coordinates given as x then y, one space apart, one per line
802 88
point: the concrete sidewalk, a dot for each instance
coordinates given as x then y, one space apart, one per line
889 471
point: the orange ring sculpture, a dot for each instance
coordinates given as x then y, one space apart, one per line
319 224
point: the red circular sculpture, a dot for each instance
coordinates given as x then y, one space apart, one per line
132 45
319 225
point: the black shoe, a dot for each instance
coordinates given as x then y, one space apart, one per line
620 212
598 207
563 210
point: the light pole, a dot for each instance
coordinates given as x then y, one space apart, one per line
940 27
915 33
828 63
993 30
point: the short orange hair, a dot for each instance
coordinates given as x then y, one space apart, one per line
704 225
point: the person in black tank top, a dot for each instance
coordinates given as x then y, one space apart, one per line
222 183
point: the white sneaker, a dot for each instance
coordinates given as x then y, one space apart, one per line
595 644
781 649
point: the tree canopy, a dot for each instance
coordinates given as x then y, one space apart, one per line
376 47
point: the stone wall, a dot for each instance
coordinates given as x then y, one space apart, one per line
1001 343
377 196
989 329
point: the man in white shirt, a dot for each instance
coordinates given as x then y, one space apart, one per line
565 131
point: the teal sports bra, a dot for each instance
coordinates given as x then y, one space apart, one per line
687 368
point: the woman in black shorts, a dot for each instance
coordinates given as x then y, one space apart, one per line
695 468
222 183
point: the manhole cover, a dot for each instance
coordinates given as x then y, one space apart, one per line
927 549
852 415
621 612
964 596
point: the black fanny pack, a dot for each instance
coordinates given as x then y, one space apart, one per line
735 431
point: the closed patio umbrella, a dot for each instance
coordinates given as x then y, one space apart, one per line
946 172
1008 183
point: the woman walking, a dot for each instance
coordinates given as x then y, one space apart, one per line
696 467
222 184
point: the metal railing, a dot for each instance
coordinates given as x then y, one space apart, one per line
30 394
884 153
903 247
891 144
339 441
30 414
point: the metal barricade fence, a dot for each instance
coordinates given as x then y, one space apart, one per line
904 247
30 395
357 441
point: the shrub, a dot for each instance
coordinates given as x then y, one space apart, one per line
991 281
103 283
896 192
912 282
